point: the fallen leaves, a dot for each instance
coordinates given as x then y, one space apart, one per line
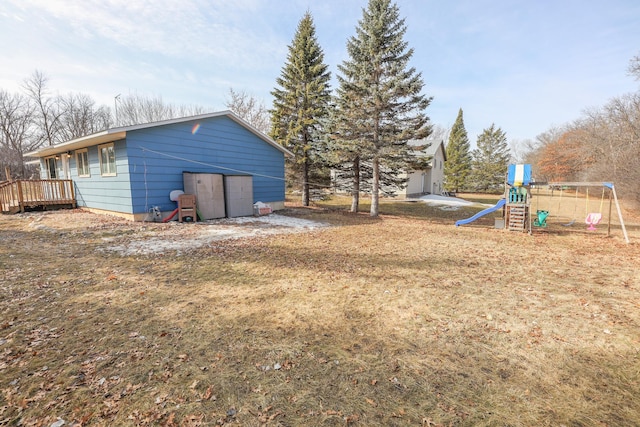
239 336
265 417
208 394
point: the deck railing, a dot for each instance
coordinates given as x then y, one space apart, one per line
19 194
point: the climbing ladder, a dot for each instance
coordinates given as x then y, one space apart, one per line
517 209
517 217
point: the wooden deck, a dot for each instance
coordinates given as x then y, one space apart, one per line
22 194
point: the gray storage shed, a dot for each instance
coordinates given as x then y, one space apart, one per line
238 194
209 191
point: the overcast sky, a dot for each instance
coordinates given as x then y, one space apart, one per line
524 65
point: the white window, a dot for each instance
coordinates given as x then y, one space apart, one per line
107 154
82 163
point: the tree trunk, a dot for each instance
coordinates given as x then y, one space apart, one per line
305 183
375 187
355 194
23 169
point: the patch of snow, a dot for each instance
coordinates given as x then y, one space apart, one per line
41 227
276 220
447 203
204 233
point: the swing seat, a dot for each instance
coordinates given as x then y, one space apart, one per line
592 220
541 220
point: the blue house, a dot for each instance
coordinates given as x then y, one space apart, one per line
129 170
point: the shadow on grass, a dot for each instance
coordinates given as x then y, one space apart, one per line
322 329
414 209
447 215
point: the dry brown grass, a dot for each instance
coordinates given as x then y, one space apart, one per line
401 320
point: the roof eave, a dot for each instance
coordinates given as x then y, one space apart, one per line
116 134
109 135
258 133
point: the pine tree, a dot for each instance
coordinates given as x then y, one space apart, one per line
458 165
379 105
343 155
490 159
301 102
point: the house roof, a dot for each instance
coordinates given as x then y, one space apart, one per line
431 149
118 133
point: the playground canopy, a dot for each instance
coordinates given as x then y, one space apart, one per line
519 175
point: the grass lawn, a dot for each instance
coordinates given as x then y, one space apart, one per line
395 321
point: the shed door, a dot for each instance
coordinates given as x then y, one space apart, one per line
210 195
209 191
238 194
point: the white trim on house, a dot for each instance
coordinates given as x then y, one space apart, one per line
105 136
83 168
109 168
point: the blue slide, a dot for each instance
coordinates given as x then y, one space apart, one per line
498 205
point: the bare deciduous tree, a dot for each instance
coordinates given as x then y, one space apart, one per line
16 131
634 67
613 135
534 149
135 109
47 110
250 109
520 149
36 118
80 116
603 145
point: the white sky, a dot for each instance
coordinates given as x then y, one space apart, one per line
524 65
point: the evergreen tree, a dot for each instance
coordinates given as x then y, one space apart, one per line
458 165
343 155
379 107
490 159
301 102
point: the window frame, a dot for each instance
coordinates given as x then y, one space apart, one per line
84 154
108 171
48 164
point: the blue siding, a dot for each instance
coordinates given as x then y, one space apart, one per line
157 157
111 193
151 161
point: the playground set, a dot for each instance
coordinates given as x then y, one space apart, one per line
517 214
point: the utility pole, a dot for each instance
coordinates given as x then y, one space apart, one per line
115 103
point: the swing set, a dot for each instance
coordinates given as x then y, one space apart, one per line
592 217
517 209
575 207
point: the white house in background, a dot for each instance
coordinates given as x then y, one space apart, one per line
431 179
